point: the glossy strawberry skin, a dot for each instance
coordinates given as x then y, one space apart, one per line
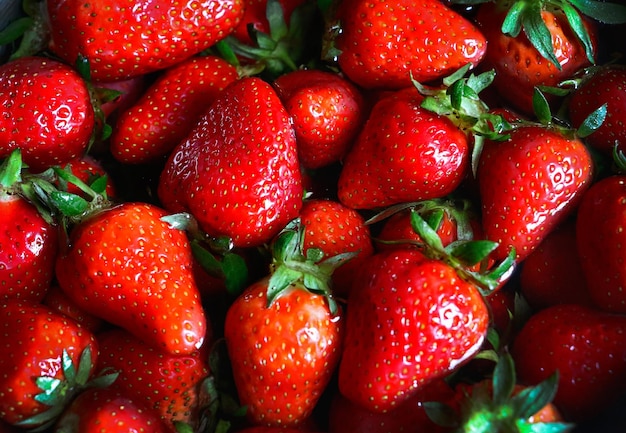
587 348
237 172
410 320
373 56
130 268
282 356
327 112
404 153
528 184
47 112
32 338
166 383
600 218
28 249
99 31
168 109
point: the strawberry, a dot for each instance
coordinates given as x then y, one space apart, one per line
58 301
552 273
126 265
237 171
604 85
47 359
255 17
28 241
168 109
100 410
336 229
599 222
529 184
327 112
283 335
89 170
166 383
50 116
128 38
586 347
381 45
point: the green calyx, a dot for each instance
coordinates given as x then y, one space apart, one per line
57 394
291 264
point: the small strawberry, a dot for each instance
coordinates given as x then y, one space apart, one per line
128 38
169 384
283 335
168 109
327 112
237 172
28 240
89 170
47 358
128 266
106 410
587 348
49 115
382 46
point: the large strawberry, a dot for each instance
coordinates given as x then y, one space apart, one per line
529 184
128 266
28 241
237 172
283 335
129 38
381 45
47 111
168 109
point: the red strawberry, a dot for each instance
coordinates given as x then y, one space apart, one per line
169 108
49 113
404 153
410 320
327 112
58 301
588 349
28 242
336 229
601 216
106 410
127 266
237 171
552 273
547 52
528 185
46 359
605 85
382 45
169 384
128 38
283 336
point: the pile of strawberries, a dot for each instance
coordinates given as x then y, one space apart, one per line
278 216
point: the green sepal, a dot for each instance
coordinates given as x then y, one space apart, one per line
441 414
576 24
512 24
504 380
532 399
471 253
619 158
11 169
593 121
541 107
15 30
538 33
69 204
35 37
604 12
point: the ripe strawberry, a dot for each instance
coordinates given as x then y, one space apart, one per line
237 171
28 242
410 320
605 85
106 410
162 33
548 50
169 384
169 108
528 184
126 265
327 112
335 229
599 236
382 45
586 347
552 273
49 113
283 335
47 358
